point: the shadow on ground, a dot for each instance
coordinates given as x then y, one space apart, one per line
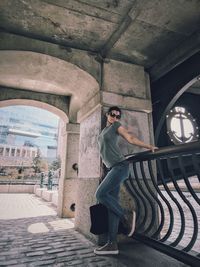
133 253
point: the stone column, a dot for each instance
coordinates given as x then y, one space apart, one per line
15 152
89 167
68 179
124 85
4 151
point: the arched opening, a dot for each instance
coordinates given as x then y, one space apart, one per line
34 79
46 74
29 142
28 158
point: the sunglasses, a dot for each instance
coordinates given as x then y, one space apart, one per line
114 115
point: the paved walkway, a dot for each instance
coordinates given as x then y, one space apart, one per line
32 235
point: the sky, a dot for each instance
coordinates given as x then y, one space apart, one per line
32 120
38 114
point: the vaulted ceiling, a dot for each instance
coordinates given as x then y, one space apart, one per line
157 34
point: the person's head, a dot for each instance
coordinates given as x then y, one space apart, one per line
113 114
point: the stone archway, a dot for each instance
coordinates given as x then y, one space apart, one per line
64 120
46 74
26 73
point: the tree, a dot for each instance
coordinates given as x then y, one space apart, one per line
56 164
44 166
37 162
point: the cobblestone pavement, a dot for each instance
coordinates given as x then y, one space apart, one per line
32 235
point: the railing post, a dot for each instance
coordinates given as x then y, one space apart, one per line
49 186
42 180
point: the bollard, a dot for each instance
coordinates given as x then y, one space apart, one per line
42 180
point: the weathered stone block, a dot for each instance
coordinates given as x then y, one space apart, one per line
47 195
39 191
69 197
55 198
89 158
86 189
125 79
11 188
35 187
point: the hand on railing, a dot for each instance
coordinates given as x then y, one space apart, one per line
152 148
164 151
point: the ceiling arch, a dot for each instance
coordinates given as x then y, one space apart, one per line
43 73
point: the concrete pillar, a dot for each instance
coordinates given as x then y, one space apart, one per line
89 169
1 151
9 155
69 176
4 151
15 154
126 86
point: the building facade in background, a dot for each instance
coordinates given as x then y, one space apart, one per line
26 132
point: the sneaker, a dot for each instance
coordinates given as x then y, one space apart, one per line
107 249
129 225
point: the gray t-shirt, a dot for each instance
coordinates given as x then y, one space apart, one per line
108 145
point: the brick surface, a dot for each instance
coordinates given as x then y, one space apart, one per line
21 246
8 262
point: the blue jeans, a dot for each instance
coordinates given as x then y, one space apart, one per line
108 194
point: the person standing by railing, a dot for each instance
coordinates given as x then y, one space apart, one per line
108 191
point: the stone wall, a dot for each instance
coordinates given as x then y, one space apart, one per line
10 188
89 158
68 181
125 79
126 86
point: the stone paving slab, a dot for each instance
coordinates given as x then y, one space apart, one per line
15 206
50 241
33 235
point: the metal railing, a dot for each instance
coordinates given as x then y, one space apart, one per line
168 217
49 182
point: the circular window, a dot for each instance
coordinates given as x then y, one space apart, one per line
181 126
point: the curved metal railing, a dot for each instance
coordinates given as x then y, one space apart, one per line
165 186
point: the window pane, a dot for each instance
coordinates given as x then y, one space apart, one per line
176 126
13 152
188 128
181 126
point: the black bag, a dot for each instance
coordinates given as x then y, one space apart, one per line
99 220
